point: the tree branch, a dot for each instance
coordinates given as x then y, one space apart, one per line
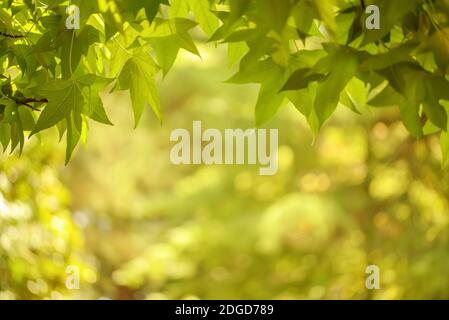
26 102
12 36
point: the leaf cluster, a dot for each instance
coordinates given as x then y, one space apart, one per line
316 54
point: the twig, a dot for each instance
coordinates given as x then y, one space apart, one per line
26 102
12 36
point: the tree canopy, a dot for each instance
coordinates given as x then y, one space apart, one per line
315 54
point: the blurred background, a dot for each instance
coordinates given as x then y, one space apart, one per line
138 227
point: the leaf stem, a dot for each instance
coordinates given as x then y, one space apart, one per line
70 54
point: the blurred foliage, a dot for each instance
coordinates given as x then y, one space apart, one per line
38 237
363 193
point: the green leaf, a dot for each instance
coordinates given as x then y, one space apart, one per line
328 92
354 96
273 14
201 9
152 8
203 14
392 12
5 135
17 136
433 109
167 49
411 118
14 123
73 135
168 38
236 50
137 76
238 9
326 13
438 44
271 78
388 97
398 54
63 96
94 108
301 78
26 118
303 16
269 100
303 102
70 53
